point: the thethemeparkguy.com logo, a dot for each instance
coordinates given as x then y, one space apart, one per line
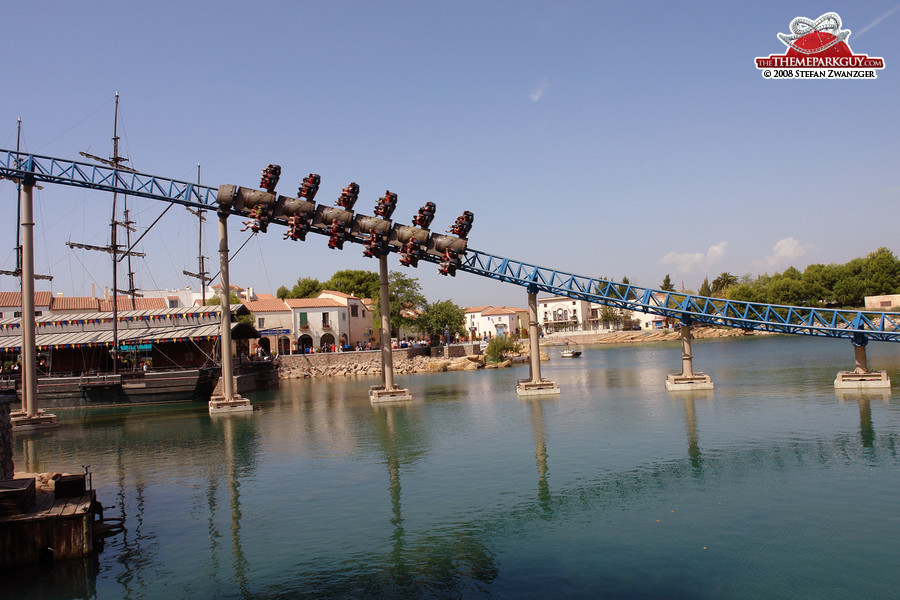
818 50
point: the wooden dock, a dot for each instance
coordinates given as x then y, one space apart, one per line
50 528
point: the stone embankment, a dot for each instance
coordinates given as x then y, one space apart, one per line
630 337
461 357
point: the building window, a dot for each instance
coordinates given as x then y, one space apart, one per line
38 313
324 319
303 320
343 316
354 310
261 321
18 313
173 303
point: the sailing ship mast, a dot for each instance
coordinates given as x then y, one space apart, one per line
113 248
202 274
18 270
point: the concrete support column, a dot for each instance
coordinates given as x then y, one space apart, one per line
387 391
862 365
688 379
229 401
387 357
535 385
29 350
687 359
30 416
534 347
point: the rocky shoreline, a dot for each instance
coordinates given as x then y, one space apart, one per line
367 363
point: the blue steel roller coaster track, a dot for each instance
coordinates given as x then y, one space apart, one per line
857 326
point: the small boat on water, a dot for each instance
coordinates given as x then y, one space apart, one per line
570 353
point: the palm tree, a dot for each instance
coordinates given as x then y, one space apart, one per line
721 283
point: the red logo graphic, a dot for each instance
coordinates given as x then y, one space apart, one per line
818 49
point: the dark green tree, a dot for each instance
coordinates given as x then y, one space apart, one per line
359 283
705 290
306 287
881 271
609 316
437 317
406 302
667 284
721 283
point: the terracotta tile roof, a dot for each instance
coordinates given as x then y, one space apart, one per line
14 299
476 309
83 303
266 297
499 310
312 303
266 305
149 303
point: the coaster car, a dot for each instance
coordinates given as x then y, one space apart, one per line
449 262
386 205
410 253
349 196
375 246
260 217
425 216
297 226
338 235
269 177
463 225
310 186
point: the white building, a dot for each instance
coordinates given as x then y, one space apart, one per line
273 322
559 313
319 323
360 328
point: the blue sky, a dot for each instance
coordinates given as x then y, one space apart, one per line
600 138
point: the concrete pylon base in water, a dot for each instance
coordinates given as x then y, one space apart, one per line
377 393
676 382
544 387
869 380
22 422
219 405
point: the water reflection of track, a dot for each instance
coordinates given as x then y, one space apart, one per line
857 325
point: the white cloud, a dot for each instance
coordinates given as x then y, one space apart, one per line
784 252
696 262
538 92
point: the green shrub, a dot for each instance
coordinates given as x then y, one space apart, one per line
500 346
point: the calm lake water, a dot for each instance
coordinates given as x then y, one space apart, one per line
771 486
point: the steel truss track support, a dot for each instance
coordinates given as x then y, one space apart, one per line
534 385
861 377
687 380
